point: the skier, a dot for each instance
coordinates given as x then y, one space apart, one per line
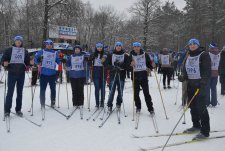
166 67
76 63
222 70
48 58
117 62
211 87
16 60
140 61
99 73
197 72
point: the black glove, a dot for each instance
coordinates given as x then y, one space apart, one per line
117 63
181 78
40 59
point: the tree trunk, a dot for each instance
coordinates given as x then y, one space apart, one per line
45 25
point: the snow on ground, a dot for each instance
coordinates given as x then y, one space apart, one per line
58 134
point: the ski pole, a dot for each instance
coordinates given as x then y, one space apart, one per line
160 94
89 98
185 109
87 85
58 91
32 101
5 73
177 93
103 84
67 96
133 94
121 92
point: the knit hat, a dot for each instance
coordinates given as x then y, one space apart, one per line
194 41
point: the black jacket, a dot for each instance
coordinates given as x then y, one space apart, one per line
205 69
222 63
140 75
15 69
124 65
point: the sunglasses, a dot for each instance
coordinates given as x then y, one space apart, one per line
118 45
49 44
192 44
137 46
99 47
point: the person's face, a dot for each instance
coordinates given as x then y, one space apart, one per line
193 47
18 43
49 46
137 50
77 50
99 49
118 48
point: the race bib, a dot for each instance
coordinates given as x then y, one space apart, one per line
192 67
77 63
140 62
18 55
117 58
215 60
98 62
49 60
165 59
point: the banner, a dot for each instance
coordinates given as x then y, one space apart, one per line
62 32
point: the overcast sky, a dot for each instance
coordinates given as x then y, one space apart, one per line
123 5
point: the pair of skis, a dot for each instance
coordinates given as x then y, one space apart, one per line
74 110
58 111
95 114
7 120
153 121
179 143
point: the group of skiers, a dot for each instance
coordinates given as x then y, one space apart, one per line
200 70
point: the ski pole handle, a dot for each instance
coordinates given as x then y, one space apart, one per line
197 91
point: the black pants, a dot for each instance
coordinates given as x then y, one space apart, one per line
34 77
167 73
199 112
222 81
148 99
77 85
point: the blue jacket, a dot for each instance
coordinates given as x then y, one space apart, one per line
76 74
38 59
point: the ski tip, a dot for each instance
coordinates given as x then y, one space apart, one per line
184 123
157 132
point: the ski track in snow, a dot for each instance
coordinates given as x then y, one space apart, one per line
58 134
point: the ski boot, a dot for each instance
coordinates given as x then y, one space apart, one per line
19 113
192 130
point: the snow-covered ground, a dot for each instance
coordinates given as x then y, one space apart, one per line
59 134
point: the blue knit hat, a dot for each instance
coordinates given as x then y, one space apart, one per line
99 45
77 46
48 42
118 44
194 41
18 38
213 45
136 44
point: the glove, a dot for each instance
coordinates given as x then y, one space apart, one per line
40 59
181 78
117 63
